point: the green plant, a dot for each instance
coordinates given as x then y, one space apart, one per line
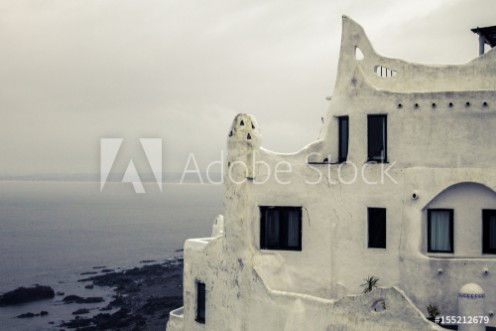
433 311
370 283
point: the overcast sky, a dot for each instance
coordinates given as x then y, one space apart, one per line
76 71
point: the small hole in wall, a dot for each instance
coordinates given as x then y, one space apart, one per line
228 164
484 104
252 126
230 134
416 105
242 123
326 160
450 105
379 305
248 137
358 53
400 106
433 105
467 104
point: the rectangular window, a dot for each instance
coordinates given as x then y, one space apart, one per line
200 302
343 138
489 231
280 228
377 227
440 230
377 138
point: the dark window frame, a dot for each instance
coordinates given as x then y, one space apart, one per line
370 157
201 300
284 230
451 234
486 214
343 152
375 226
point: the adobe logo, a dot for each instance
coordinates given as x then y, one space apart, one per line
109 148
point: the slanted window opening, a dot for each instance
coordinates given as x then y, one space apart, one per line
343 132
200 302
440 231
377 227
377 138
280 228
488 231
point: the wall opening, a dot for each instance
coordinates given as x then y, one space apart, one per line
384 72
358 54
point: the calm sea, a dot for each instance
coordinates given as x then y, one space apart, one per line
51 232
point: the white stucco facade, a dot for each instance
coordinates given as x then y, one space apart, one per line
440 155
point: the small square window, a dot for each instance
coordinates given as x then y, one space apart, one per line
440 230
489 231
377 227
280 228
200 302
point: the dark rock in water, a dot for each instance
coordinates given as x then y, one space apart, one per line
89 286
147 261
99 267
26 315
78 299
30 315
107 270
88 273
60 293
26 294
81 311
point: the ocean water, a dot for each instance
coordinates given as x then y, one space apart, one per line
51 232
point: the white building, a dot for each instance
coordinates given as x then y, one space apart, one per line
401 185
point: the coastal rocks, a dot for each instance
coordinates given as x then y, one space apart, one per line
30 315
78 299
26 294
144 297
81 311
120 319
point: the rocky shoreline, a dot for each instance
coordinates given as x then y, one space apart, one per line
143 297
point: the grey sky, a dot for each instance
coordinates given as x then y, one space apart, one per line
73 72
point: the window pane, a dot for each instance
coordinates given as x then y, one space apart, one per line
440 230
377 137
293 228
343 138
492 232
272 228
